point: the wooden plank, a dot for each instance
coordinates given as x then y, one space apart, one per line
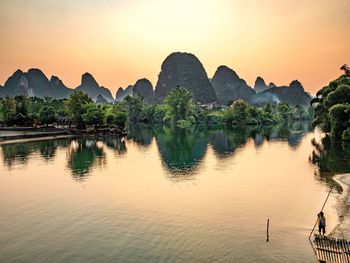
332 250
335 250
345 258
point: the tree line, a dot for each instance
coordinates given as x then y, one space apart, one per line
178 109
78 111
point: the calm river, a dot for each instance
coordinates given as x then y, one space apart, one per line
163 196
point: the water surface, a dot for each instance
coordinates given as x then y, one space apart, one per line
163 196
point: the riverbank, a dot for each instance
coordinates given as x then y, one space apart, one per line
34 139
29 134
342 230
9 135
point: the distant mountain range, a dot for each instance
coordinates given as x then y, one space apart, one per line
34 83
178 69
122 93
228 86
90 87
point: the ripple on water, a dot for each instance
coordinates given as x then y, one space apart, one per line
78 201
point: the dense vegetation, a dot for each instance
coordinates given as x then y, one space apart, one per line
179 109
332 108
79 111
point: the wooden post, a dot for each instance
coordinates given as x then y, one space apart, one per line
267 230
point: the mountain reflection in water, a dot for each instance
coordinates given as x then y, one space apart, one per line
165 194
181 150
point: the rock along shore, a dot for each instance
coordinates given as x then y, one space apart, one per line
342 230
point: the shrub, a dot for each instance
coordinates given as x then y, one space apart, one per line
346 135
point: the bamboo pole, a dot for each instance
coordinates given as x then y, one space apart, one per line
267 230
321 211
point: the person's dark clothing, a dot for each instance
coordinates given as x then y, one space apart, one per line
321 224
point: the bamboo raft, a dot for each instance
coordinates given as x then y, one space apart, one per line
332 250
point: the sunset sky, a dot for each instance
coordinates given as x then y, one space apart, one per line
120 41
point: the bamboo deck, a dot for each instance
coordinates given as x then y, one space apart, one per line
332 250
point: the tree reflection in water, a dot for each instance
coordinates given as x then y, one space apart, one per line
182 150
141 134
82 155
116 144
226 141
331 157
292 133
20 153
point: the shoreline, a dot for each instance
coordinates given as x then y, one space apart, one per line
34 139
46 137
29 134
342 230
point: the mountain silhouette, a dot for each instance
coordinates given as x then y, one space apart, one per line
90 86
184 69
178 69
144 88
122 93
293 94
34 83
229 86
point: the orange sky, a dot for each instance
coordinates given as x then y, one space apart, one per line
120 41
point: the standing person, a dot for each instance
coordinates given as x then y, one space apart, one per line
321 223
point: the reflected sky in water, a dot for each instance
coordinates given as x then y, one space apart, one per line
163 195
181 150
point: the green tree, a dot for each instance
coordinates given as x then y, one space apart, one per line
8 110
328 113
268 108
340 119
238 112
115 115
341 95
118 119
133 106
74 107
110 118
147 113
35 105
321 118
159 113
47 114
198 113
216 118
178 102
92 114
299 113
284 112
22 105
346 135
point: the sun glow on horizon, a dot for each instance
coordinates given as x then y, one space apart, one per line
119 42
